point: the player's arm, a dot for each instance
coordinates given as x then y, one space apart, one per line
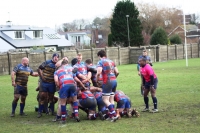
116 71
143 81
80 83
34 74
13 78
99 71
151 74
40 68
56 80
58 64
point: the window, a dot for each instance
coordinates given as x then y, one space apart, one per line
19 34
37 34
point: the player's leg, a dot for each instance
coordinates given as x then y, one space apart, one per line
153 95
22 105
111 99
63 109
51 92
92 109
42 98
146 98
73 95
15 100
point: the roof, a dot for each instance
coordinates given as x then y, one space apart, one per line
188 28
50 37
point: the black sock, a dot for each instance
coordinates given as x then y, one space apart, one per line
154 102
146 101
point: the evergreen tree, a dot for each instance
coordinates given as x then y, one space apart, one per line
159 36
175 39
119 28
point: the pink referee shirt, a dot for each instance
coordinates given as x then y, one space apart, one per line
146 71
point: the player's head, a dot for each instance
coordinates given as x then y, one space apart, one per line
64 62
79 57
144 53
142 62
74 61
101 53
55 57
88 61
25 61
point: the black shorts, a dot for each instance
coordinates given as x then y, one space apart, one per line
20 90
147 84
89 103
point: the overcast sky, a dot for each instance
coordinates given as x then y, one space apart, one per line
54 12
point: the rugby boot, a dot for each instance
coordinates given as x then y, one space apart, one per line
39 115
77 119
12 115
154 111
23 114
145 110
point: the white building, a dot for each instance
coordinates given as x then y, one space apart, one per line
24 37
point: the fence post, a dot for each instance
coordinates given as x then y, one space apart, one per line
119 56
167 52
154 49
176 55
158 53
45 58
129 54
106 49
9 63
92 54
27 54
62 53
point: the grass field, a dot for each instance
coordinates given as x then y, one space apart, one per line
178 96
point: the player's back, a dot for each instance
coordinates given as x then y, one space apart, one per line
82 68
108 67
119 96
87 94
65 75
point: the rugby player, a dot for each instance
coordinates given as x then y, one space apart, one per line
109 71
46 71
150 82
82 70
148 59
124 105
87 101
19 77
64 79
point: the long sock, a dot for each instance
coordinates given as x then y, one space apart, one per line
52 107
114 112
22 107
154 102
41 107
75 108
63 112
146 101
14 105
111 110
